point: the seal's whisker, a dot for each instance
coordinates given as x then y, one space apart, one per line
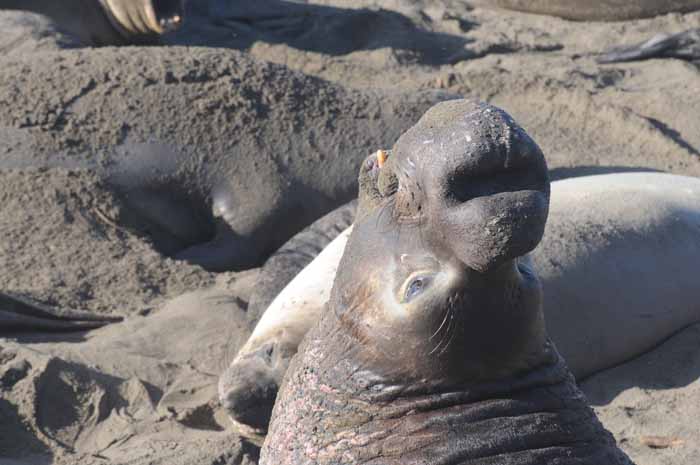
449 341
444 320
448 331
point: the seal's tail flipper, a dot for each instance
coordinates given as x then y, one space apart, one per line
21 315
685 45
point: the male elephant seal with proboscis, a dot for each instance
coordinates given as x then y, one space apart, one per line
107 22
433 348
619 251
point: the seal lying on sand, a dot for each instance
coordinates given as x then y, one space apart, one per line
596 10
21 315
108 22
434 349
268 151
602 234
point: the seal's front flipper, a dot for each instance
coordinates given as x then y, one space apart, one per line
21 315
685 46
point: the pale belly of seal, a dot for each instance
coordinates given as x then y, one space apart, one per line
619 251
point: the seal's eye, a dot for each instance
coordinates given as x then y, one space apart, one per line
415 286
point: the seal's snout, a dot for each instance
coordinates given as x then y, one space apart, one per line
481 179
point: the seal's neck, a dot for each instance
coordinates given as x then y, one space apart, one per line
533 418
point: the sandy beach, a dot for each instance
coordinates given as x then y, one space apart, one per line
144 391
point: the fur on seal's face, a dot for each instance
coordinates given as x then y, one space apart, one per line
431 271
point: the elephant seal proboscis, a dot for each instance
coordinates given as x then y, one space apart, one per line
619 250
108 22
433 348
595 10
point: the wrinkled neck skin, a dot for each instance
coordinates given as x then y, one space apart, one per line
334 410
533 419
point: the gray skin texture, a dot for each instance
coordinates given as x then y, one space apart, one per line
244 155
107 22
434 349
596 10
684 45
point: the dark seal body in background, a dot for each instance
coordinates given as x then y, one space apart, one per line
219 159
433 349
596 10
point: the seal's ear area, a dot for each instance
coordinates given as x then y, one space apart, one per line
488 185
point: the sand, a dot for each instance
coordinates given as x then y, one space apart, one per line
144 391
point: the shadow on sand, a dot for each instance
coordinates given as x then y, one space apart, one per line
673 364
315 28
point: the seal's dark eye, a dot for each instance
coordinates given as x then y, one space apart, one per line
415 286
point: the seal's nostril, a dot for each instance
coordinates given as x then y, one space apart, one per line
382 156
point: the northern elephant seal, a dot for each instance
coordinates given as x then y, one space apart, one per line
434 348
108 22
619 250
596 10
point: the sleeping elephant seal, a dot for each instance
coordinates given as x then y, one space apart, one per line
596 10
267 152
108 22
434 349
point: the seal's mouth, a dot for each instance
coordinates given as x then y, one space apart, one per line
168 14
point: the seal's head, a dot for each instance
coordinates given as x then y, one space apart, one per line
432 271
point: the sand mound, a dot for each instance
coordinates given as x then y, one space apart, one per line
63 245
